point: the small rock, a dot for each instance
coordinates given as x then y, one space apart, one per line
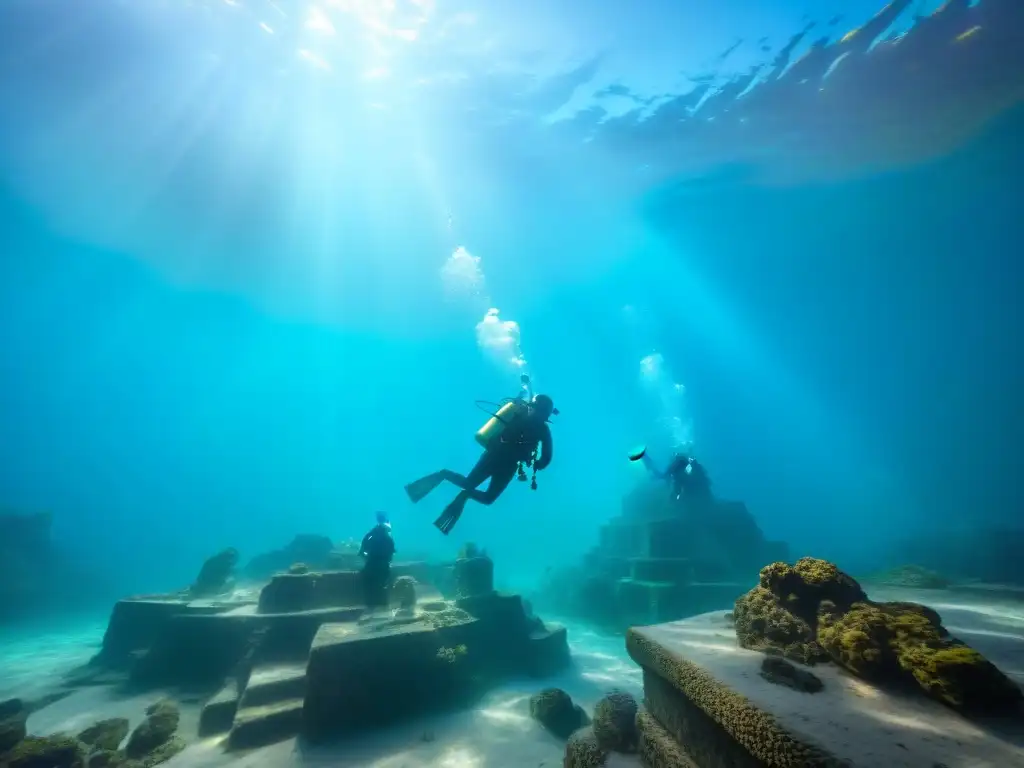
615 722
583 751
777 670
553 708
157 729
56 751
161 754
106 758
106 735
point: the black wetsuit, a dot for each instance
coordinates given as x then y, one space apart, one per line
378 548
500 461
694 483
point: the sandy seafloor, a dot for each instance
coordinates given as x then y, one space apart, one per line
498 733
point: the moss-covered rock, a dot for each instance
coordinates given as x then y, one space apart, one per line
215 576
107 758
583 750
157 729
813 610
615 722
105 734
160 754
56 751
554 709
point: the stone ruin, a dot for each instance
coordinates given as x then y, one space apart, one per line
664 558
307 658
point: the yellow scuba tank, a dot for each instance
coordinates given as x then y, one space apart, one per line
495 426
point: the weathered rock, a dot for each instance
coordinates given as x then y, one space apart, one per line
403 592
156 730
554 709
813 611
615 722
215 575
159 754
56 751
134 626
583 751
105 734
781 672
106 758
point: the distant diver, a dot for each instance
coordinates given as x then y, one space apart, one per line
687 475
510 439
378 548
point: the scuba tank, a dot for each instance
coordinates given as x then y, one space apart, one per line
495 426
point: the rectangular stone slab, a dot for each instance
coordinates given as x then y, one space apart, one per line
365 676
708 694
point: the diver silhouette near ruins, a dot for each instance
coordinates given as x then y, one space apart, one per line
516 436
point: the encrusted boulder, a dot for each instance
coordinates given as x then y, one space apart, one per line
615 722
583 750
474 576
554 709
813 612
105 734
56 751
155 731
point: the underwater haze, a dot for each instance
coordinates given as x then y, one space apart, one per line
260 260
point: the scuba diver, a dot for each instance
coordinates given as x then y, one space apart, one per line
687 476
377 548
510 440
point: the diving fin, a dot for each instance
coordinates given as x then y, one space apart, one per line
451 515
418 489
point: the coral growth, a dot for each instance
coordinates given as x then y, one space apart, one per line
451 655
615 722
583 750
156 730
812 611
57 751
554 709
403 592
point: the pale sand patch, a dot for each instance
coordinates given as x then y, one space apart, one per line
33 658
87 705
850 718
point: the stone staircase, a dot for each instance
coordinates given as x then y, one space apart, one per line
307 659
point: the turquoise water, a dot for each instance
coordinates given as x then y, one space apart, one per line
250 250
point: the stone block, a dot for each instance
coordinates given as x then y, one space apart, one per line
547 651
474 576
288 592
368 676
267 724
133 626
218 712
274 683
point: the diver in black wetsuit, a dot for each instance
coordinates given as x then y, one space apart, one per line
515 447
378 548
687 476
